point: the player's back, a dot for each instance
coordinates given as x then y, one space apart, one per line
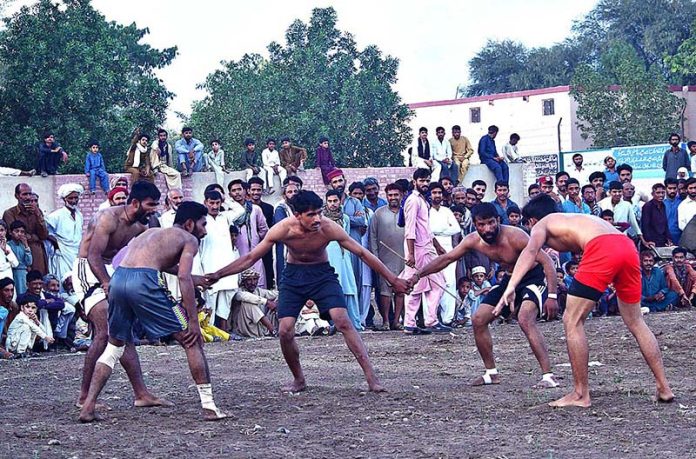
156 248
571 232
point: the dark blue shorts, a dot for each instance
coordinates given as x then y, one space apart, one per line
139 293
317 282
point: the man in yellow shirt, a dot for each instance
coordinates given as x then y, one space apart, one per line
461 151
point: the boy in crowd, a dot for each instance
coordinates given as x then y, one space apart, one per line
95 168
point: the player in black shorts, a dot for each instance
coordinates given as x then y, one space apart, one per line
535 296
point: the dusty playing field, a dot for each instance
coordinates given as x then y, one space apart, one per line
429 411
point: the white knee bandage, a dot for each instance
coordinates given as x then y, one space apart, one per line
111 355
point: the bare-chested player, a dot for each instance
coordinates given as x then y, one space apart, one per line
608 257
308 275
138 292
503 244
109 231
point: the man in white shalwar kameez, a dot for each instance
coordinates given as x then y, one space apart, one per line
65 225
174 197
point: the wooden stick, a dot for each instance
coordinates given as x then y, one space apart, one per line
431 280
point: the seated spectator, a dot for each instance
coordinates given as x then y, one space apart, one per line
325 160
24 329
608 304
489 156
655 295
502 201
654 218
50 155
479 289
47 305
310 323
562 291
215 161
8 311
514 216
95 168
51 291
292 158
571 267
574 203
441 152
250 162
162 160
511 150
190 152
681 277
138 162
8 259
462 316
271 163
210 333
254 308
498 277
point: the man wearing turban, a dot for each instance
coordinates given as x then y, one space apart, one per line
65 226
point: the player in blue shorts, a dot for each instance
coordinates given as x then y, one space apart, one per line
136 292
308 276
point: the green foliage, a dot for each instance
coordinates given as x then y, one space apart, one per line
317 83
68 70
640 110
683 62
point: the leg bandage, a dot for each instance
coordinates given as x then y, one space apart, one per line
111 355
487 375
205 391
548 378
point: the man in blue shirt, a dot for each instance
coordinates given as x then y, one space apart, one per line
372 199
672 201
574 204
610 173
502 202
190 152
489 156
655 295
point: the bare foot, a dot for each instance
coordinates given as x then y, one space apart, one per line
212 415
664 397
572 399
295 386
479 381
376 387
150 401
89 416
99 406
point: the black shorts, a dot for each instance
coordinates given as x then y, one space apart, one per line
532 287
317 282
139 293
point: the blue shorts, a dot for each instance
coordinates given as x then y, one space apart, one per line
317 282
139 293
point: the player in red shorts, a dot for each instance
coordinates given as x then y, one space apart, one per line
608 257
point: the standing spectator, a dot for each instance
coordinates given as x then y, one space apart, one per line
441 151
271 162
20 247
282 211
626 176
447 187
574 204
29 213
421 248
562 178
255 192
385 231
190 152
655 295
479 288
325 160
479 186
691 145
50 155
610 172
172 201
675 157
8 259
511 151
502 201
489 156
461 153
444 225
8 311
252 226
597 179
292 158
589 197
215 161
65 225
162 160
654 219
623 211
533 190
250 161
357 191
672 201
687 208
578 171
372 199
138 162
681 277
96 168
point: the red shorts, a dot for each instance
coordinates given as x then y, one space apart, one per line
612 258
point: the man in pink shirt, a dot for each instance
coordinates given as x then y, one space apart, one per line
420 248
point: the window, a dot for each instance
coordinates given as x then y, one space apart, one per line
548 107
475 115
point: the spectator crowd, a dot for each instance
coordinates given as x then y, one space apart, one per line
412 219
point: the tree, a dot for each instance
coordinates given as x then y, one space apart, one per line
683 62
317 83
624 104
68 70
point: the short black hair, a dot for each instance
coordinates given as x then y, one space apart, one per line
214 186
596 175
584 187
493 128
690 181
658 185
478 182
236 182
393 187
269 140
234 229
423 129
421 173
160 131
17 224
186 129
191 210
561 174
404 184
255 181
678 249
471 191
539 207
305 201
615 185
576 155
515 136
356 186
513 210
142 190
671 181
436 186
533 186
573 181
674 134
461 281
690 143
442 179
294 179
212 195
624 167
33 275
607 213
461 208
456 127
483 211
332 193
501 183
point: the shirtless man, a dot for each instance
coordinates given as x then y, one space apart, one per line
308 276
109 231
608 257
137 293
503 244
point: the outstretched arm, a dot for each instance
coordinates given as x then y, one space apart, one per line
441 262
248 260
336 233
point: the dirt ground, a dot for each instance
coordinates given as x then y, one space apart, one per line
429 411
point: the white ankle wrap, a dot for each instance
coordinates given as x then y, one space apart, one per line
205 392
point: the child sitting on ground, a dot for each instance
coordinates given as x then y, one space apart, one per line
571 267
95 167
210 333
24 329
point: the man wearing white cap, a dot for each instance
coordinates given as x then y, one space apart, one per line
65 225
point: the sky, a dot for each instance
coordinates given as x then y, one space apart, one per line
433 40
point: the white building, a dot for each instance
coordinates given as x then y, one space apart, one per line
544 118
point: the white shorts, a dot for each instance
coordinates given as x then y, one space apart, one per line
86 284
